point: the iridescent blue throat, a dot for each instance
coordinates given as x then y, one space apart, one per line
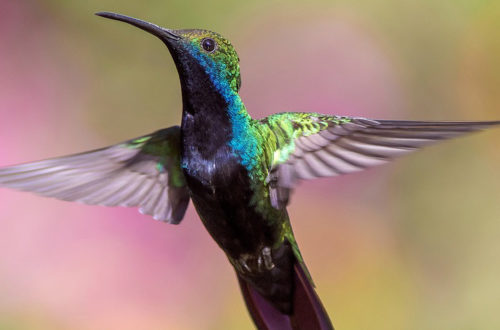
243 141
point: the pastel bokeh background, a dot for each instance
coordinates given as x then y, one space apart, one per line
411 245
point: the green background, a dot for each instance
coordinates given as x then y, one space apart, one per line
410 245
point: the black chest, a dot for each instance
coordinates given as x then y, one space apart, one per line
208 162
220 190
207 159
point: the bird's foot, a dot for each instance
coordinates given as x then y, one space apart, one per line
262 262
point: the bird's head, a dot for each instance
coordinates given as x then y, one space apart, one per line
197 53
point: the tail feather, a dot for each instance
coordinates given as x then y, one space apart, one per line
307 313
264 315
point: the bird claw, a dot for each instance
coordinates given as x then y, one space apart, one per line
267 257
263 262
243 262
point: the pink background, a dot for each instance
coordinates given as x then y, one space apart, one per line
411 245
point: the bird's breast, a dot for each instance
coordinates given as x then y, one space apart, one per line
226 195
220 170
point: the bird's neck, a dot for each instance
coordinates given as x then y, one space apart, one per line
207 98
214 116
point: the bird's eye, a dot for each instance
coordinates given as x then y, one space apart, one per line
208 44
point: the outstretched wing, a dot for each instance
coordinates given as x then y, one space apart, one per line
311 145
143 172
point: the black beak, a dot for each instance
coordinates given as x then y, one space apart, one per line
164 34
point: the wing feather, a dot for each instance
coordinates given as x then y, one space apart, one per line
329 146
143 172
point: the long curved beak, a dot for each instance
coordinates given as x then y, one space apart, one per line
163 34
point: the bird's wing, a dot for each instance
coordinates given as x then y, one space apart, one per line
309 145
143 172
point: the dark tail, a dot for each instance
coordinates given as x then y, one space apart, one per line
307 313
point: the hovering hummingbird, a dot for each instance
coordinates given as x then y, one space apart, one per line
238 171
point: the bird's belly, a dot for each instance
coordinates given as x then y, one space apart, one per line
252 237
224 197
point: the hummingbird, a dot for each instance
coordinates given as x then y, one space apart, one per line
239 172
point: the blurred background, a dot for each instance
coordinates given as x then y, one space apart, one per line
410 245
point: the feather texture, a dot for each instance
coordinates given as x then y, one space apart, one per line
329 146
307 310
143 172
